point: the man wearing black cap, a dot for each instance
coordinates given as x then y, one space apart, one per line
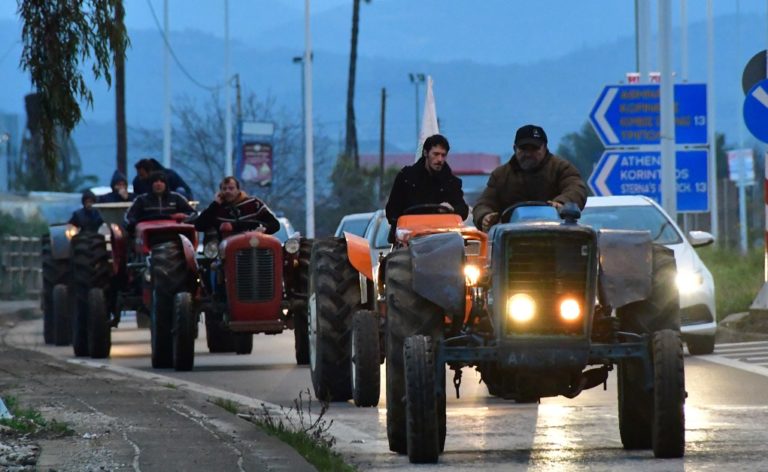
160 203
429 180
532 174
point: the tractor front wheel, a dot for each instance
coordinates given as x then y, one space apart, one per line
184 332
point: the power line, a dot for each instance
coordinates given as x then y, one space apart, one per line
176 59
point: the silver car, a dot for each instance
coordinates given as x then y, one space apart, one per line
694 281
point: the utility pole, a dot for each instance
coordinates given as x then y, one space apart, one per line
711 132
122 138
667 112
166 90
642 37
308 132
417 79
381 144
300 60
239 117
228 97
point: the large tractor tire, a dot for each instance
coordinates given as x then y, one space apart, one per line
90 269
55 272
635 405
334 297
62 315
143 319
668 395
184 332
300 315
366 358
425 412
243 343
99 329
408 314
661 310
169 274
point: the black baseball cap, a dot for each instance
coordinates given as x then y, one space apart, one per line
530 134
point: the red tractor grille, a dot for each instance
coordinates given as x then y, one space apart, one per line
255 274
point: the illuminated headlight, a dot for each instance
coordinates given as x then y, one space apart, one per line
570 309
402 234
689 281
71 231
292 246
471 274
211 249
521 307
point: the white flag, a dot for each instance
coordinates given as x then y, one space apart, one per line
428 119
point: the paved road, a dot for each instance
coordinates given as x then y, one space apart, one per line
726 411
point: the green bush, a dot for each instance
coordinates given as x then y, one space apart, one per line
10 225
738 278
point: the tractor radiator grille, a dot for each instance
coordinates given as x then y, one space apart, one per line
255 275
549 270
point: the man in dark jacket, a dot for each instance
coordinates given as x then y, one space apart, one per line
232 205
145 167
160 203
429 180
532 174
87 218
119 193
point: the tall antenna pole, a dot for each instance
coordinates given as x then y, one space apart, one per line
166 90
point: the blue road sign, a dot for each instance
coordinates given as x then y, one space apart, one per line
629 115
639 173
756 110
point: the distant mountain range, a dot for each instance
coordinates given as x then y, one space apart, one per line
480 102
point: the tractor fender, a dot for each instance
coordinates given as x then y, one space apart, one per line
626 267
189 254
359 254
61 236
438 270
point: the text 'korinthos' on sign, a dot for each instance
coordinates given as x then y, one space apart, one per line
639 173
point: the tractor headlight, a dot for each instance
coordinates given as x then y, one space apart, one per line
71 231
521 307
211 249
689 281
471 274
570 309
292 246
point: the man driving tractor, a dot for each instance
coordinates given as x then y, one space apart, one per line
159 203
234 206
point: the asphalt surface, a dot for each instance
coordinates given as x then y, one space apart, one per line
123 423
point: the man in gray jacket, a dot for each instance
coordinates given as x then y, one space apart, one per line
532 174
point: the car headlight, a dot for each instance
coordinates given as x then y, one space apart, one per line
211 249
570 309
471 274
689 281
71 231
521 307
292 246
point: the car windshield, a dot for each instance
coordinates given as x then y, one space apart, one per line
637 218
354 226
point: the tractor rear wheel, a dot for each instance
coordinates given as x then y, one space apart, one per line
334 295
62 315
668 395
300 315
407 314
425 413
184 332
90 269
99 329
366 359
55 272
635 405
169 273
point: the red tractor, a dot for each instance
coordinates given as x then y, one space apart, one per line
254 284
157 276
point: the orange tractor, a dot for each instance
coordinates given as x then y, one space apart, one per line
347 305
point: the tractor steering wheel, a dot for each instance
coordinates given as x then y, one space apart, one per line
507 214
428 209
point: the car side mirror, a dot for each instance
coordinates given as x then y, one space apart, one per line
700 238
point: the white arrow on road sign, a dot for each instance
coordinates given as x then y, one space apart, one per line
761 96
602 177
602 109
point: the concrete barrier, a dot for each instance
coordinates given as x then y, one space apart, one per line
20 267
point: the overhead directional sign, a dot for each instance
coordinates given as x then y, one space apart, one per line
756 110
629 115
639 173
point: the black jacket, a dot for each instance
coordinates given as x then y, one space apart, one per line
414 185
246 213
86 220
150 206
113 196
174 181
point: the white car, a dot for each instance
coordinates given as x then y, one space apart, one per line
354 223
694 281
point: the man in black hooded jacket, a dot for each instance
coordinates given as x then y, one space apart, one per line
159 203
87 218
429 180
119 193
146 167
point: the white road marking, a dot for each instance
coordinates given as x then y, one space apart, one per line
739 355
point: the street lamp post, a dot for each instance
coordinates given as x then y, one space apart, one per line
300 60
417 79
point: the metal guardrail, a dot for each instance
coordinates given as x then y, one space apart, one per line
20 267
